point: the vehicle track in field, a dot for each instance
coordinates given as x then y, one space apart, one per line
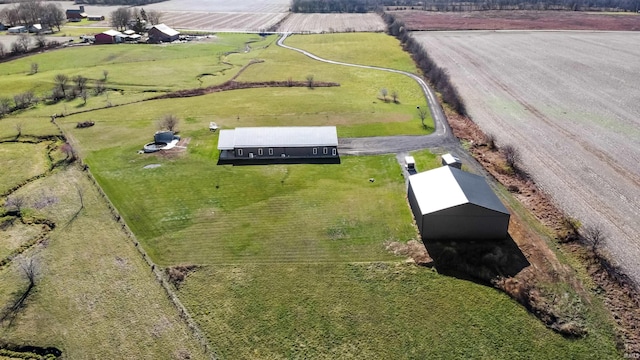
442 137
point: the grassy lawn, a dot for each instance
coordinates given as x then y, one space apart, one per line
95 297
292 259
356 48
24 160
378 310
191 211
130 67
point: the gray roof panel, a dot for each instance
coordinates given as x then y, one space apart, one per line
283 136
446 187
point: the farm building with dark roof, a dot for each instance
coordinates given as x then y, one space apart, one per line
162 33
76 14
288 144
452 204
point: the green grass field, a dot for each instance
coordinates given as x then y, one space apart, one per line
24 160
292 259
375 310
94 297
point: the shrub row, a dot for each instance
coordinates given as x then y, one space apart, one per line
435 74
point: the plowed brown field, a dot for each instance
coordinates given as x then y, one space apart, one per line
319 23
569 102
517 20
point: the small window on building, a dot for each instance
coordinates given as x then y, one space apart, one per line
270 151
325 151
315 151
333 152
239 152
260 151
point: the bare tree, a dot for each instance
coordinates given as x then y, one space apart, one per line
153 17
422 114
168 122
98 87
512 156
3 50
19 129
394 96
594 235
384 92
54 15
310 83
61 83
34 68
80 83
105 74
15 204
5 106
120 18
84 95
23 42
24 100
490 140
68 151
41 40
30 270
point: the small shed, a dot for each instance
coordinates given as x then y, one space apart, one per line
451 204
109 37
450 160
17 29
162 33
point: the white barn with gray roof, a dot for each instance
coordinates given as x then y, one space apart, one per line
283 143
451 204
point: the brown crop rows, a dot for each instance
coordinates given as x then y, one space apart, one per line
568 101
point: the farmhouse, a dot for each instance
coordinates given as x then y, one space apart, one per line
109 37
451 204
162 33
75 15
288 144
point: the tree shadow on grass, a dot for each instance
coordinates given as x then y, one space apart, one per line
480 261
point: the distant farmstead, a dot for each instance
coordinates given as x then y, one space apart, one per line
279 144
452 204
162 33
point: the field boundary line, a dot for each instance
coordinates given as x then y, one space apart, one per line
173 298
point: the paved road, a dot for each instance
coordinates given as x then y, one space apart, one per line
442 137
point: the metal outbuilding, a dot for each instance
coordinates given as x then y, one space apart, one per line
451 204
278 142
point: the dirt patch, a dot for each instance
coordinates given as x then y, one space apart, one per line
413 249
621 296
517 20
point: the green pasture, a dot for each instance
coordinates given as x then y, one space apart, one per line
20 162
132 68
374 310
189 210
94 297
373 49
292 257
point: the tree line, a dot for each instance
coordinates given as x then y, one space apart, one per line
124 17
436 75
31 12
362 6
118 2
